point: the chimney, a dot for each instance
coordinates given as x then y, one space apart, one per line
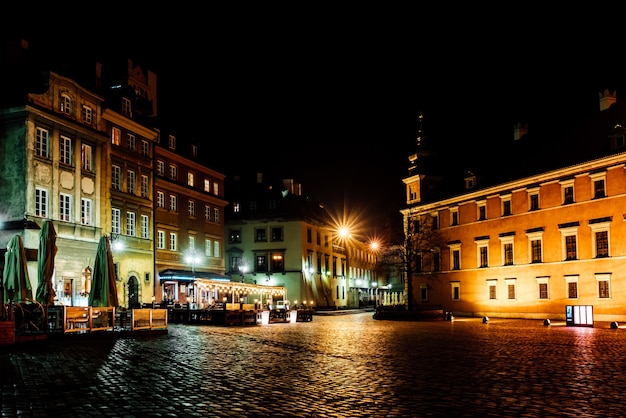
519 130
606 99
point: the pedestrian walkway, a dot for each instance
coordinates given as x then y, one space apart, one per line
333 366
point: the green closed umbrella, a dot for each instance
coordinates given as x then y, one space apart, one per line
15 278
45 263
103 286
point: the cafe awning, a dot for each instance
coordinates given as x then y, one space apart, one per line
189 276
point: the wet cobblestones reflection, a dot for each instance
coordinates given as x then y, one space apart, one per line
334 366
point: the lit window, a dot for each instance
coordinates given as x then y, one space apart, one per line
41 142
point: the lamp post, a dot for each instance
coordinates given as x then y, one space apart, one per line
193 259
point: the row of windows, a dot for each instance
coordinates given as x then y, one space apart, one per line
210 214
260 235
598 184
66 107
264 262
211 247
131 181
569 236
130 225
66 150
131 142
543 288
191 178
66 207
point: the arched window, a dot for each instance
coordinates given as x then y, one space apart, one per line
66 104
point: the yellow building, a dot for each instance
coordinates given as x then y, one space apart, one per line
530 245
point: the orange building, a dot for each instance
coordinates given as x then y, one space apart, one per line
548 233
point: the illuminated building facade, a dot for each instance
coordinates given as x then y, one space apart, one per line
276 236
547 233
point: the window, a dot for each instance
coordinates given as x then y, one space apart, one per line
507 249
173 172
131 142
66 104
454 216
277 233
160 199
434 220
603 280
309 235
260 235
190 179
191 208
145 186
278 264
568 234
116 221
482 244
236 264
85 211
510 287
601 244
535 240
86 157
216 188
131 221
65 150
207 247
570 247
207 185
41 142
116 177
161 240
423 292
145 226
567 188
116 136
126 106
216 249
236 207
572 287
131 186
234 236
86 114
172 142
145 148
542 283
436 261
173 241
160 168
207 212
456 290
41 202
482 210
598 180
506 205
491 289
455 256
533 198
260 263
173 203
65 207
194 151
216 215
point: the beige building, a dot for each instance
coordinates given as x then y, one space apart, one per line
54 166
277 236
533 244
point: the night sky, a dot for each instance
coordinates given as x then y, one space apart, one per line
332 97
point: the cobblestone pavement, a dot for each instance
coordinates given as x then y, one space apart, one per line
334 366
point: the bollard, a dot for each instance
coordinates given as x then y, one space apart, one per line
614 325
546 322
485 319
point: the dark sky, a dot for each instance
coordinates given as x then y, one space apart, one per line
331 97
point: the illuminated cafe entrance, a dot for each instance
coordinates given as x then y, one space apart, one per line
579 315
180 287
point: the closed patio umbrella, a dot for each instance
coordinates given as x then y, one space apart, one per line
103 286
45 263
15 278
